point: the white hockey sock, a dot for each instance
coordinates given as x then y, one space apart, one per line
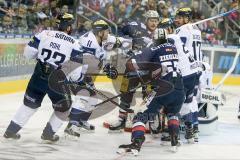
55 122
23 114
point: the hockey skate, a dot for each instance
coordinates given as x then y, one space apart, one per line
189 135
117 127
72 130
195 133
10 135
155 126
76 128
86 127
165 139
174 143
133 148
49 138
120 124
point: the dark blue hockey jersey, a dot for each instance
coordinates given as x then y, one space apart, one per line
164 55
138 32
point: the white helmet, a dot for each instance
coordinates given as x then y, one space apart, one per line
151 14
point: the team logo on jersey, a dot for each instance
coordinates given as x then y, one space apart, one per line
168 49
177 30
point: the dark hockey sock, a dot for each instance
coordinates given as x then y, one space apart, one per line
13 127
195 118
188 117
77 115
48 131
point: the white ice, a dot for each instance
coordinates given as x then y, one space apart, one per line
224 144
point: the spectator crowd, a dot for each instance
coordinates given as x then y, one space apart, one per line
32 16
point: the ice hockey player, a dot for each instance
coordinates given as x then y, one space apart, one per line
51 49
142 35
191 38
186 63
205 82
164 54
93 43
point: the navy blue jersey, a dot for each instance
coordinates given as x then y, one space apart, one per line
164 55
137 31
159 56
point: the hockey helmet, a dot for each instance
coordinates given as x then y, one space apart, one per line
64 21
166 23
100 25
160 36
151 14
185 12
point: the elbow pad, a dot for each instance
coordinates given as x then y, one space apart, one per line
30 52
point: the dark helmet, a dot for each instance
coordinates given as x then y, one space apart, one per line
160 36
64 21
100 25
186 12
166 23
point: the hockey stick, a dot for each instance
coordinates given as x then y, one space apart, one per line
129 75
108 98
215 17
226 75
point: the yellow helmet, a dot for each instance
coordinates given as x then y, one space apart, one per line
165 23
65 20
100 25
184 12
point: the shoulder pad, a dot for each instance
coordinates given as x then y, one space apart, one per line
177 30
143 26
133 23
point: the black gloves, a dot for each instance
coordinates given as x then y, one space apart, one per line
110 71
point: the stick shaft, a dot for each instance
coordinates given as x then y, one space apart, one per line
215 17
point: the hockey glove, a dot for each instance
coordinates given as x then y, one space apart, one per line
110 71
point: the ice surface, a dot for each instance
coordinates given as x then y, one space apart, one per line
224 144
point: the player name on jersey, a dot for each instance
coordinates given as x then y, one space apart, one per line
168 57
64 37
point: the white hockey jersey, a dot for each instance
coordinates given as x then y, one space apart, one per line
186 62
90 45
52 47
205 80
191 37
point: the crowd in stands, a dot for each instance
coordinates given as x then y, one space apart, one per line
32 16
